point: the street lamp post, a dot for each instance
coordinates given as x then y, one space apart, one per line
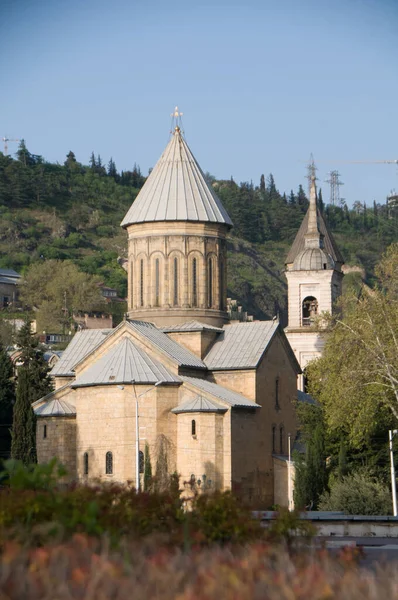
137 431
391 434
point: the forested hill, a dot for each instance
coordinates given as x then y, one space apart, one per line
73 211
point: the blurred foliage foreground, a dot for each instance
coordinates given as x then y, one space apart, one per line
109 542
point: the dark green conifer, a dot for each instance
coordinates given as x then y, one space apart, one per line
32 383
147 470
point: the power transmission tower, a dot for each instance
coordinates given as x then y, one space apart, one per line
335 183
6 139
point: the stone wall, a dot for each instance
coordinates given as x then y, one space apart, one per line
56 437
106 423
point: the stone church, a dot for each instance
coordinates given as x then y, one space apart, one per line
210 400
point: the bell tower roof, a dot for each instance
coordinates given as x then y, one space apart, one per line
176 189
313 233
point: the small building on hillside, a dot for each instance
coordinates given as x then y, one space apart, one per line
9 281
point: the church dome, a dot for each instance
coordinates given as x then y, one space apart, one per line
313 259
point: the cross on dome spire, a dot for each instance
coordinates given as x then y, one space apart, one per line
176 121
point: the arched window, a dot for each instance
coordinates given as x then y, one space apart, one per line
141 461
277 407
281 439
109 463
175 291
141 282
45 431
157 282
310 310
210 282
194 283
273 438
193 427
85 463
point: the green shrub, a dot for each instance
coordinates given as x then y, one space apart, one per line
357 494
221 517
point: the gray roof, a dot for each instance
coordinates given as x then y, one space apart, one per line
176 190
191 326
307 398
169 347
198 404
82 343
313 259
232 398
329 243
55 408
9 273
123 363
241 345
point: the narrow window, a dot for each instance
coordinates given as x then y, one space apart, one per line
210 282
277 407
175 297
141 461
45 431
193 427
273 438
281 436
222 285
109 463
194 284
157 282
85 463
142 282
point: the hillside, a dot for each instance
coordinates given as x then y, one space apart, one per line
73 211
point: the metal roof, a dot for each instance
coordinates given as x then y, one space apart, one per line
9 273
232 398
198 404
55 408
177 190
123 363
82 343
330 246
9 280
191 326
181 355
241 345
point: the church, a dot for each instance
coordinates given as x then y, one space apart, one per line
209 399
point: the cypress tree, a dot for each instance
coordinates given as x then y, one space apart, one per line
7 399
32 383
7 386
147 470
262 183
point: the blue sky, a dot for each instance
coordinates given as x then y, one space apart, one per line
262 84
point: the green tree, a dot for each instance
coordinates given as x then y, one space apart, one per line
147 470
58 289
33 382
311 475
356 379
358 494
7 386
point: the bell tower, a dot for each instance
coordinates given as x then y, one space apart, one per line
314 279
177 231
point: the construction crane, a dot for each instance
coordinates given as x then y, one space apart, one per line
6 139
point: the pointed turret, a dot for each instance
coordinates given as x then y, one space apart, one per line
177 190
313 237
314 234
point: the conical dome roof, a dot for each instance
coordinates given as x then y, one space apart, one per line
176 190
